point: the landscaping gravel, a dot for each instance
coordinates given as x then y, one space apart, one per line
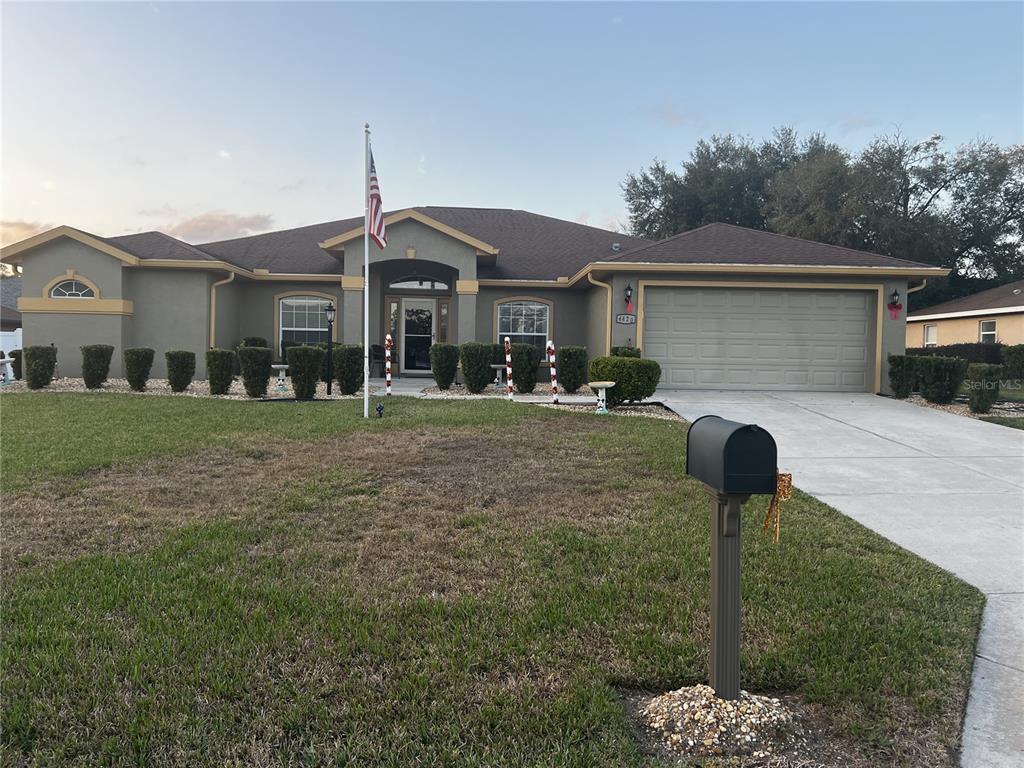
459 390
960 408
195 389
646 410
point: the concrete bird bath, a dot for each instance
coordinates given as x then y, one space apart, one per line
602 402
280 368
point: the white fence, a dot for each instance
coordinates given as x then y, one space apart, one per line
10 340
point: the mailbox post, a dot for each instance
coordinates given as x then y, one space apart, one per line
733 461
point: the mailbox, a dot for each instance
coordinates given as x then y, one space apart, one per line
730 457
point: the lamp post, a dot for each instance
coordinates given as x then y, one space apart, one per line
329 312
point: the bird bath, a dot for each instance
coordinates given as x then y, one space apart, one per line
281 386
602 387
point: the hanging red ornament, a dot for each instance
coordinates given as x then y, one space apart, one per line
894 310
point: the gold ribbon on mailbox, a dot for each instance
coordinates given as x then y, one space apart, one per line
783 492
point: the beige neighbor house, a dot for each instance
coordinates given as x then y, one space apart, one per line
720 307
995 315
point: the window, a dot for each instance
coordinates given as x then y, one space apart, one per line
987 330
931 335
524 322
72 289
304 320
418 283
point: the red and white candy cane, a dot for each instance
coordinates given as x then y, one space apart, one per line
508 366
554 374
388 345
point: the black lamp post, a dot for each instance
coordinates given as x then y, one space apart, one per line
329 312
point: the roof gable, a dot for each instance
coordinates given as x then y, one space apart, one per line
14 252
416 215
1008 296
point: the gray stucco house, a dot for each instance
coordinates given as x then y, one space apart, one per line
720 307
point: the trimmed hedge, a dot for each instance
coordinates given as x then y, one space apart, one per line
625 352
254 341
635 378
1013 361
572 367
902 375
304 366
181 367
983 386
220 369
96 364
348 367
444 362
255 363
138 362
497 354
16 365
40 363
525 359
321 345
940 377
476 365
973 353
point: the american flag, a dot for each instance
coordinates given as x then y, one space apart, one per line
376 209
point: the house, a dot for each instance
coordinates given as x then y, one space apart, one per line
987 316
720 307
10 317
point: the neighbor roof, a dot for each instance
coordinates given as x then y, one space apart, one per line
10 291
1009 295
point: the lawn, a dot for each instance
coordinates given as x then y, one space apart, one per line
200 582
1017 422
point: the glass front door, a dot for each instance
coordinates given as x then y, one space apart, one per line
419 317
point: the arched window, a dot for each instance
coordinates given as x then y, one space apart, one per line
524 321
304 319
72 289
419 283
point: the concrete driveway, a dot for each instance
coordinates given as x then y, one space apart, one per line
948 488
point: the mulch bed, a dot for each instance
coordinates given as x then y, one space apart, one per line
960 408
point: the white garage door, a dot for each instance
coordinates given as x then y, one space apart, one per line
759 338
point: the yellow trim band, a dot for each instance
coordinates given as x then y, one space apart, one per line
349 283
467 286
28 304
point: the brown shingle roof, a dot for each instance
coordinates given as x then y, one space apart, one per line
730 244
157 245
1009 295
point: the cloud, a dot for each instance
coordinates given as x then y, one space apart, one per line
421 166
293 186
164 210
854 123
668 112
223 154
12 231
219 225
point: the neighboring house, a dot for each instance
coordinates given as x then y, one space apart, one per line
720 307
10 317
988 316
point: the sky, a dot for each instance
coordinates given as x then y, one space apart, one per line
217 120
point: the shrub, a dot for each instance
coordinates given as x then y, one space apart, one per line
902 375
255 363
497 354
444 362
181 367
476 365
40 363
940 377
975 352
304 366
634 378
572 367
348 367
96 364
285 345
1013 361
16 365
254 341
525 359
138 362
982 386
220 370
625 352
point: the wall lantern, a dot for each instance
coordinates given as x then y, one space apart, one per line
894 305
629 298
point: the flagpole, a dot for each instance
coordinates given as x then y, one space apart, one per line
366 281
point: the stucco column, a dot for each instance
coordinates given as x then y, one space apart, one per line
466 310
351 310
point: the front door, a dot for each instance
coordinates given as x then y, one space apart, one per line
419 324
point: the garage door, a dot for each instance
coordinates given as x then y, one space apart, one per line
759 338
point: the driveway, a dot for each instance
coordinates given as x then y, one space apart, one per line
948 488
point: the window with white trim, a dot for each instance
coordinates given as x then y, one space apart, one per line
304 320
987 331
931 335
524 322
72 289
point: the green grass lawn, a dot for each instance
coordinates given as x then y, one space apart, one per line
1017 422
199 582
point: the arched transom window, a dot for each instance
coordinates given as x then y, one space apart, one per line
418 283
304 319
72 289
524 321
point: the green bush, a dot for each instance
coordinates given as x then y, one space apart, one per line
220 370
972 352
902 375
254 341
572 367
348 367
1013 361
16 365
525 359
255 363
940 377
304 366
40 363
138 362
181 367
625 352
476 365
321 345
96 364
983 386
444 362
635 378
496 355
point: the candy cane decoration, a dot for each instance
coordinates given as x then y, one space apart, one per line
554 374
508 366
388 344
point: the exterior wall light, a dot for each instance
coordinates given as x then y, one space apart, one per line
629 298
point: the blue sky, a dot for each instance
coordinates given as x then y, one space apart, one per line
211 120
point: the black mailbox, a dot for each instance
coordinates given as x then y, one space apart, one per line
730 457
